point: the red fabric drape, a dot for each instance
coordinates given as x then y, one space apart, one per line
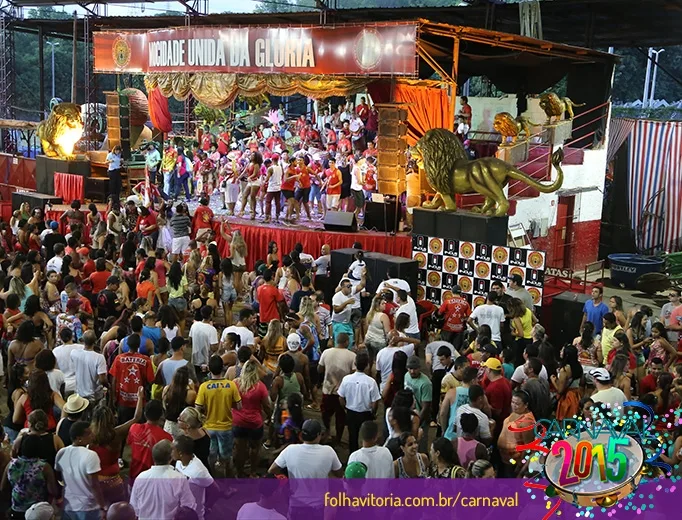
258 237
428 108
380 91
68 186
158 111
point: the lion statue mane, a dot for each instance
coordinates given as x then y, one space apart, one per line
64 121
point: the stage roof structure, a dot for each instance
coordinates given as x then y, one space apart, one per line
584 23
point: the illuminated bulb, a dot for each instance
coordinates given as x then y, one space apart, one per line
68 139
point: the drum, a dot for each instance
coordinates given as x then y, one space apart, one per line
562 469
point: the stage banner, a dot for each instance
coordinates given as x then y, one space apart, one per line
379 49
444 263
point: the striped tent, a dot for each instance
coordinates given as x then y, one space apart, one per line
655 185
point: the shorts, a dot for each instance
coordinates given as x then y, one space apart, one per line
355 317
288 194
358 198
221 443
232 193
302 194
228 294
333 201
179 304
250 434
179 245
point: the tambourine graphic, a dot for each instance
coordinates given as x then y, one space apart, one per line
465 284
500 255
478 300
519 271
535 294
482 269
421 292
435 246
433 279
421 260
597 472
466 250
447 295
535 260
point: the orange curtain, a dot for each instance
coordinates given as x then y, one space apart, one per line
158 110
429 107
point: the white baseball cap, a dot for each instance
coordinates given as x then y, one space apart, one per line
39 511
293 342
601 374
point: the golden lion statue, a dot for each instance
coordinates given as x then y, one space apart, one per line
61 130
508 126
449 171
554 106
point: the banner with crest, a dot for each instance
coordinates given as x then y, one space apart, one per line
444 263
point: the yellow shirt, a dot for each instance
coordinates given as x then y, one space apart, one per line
217 396
606 340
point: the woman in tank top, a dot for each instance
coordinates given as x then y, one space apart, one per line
412 464
378 327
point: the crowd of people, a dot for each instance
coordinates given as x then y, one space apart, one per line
136 351
300 166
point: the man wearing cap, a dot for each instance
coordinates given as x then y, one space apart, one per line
39 511
72 412
498 392
516 290
70 320
52 239
309 460
55 263
335 363
489 314
454 312
301 360
423 390
606 393
359 395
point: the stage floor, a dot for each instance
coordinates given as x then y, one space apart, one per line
311 234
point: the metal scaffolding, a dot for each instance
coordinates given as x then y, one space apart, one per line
89 87
8 15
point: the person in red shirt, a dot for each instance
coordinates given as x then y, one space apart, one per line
100 276
312 136
146 224
649 383
363 110
334 181
273 142
372 124
455 312
391 307
499 393
291 175
331 137
371 150
203 217
271 302
206 139
370 182
130 371
89 263
344 141
302 194
223 140
143 437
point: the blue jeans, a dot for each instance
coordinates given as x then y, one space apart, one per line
182 183
83 515
221 443
315 194
169 183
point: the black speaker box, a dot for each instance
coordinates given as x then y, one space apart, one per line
382 216
46 167
36 200
96 188
340 221
377 269
465 226
567 313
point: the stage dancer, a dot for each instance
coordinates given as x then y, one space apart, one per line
253 178
273 181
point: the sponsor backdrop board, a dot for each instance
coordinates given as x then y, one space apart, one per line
444 263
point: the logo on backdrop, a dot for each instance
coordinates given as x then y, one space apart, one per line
121 51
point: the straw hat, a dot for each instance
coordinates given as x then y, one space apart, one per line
75 404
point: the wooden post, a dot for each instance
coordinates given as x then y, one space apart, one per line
453 86
74 68
41 71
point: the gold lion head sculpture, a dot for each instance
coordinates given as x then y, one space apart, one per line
60 132
552 105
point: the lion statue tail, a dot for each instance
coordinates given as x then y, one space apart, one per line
557 158
574 104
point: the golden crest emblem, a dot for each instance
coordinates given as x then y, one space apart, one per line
121 51
368 49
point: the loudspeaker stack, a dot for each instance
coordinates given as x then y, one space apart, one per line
391 146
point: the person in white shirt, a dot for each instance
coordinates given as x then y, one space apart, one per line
359 394
264 509
488 314
343 303
322 268
393 283
606 393
384 359
90 368
378 459
477 404
243 328
204 338
79 467
407 306
55 263
161 490
516 290
309 460
191 466
62 354
519 376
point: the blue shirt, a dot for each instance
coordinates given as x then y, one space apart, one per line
153 333
115 159
595 313
143 345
